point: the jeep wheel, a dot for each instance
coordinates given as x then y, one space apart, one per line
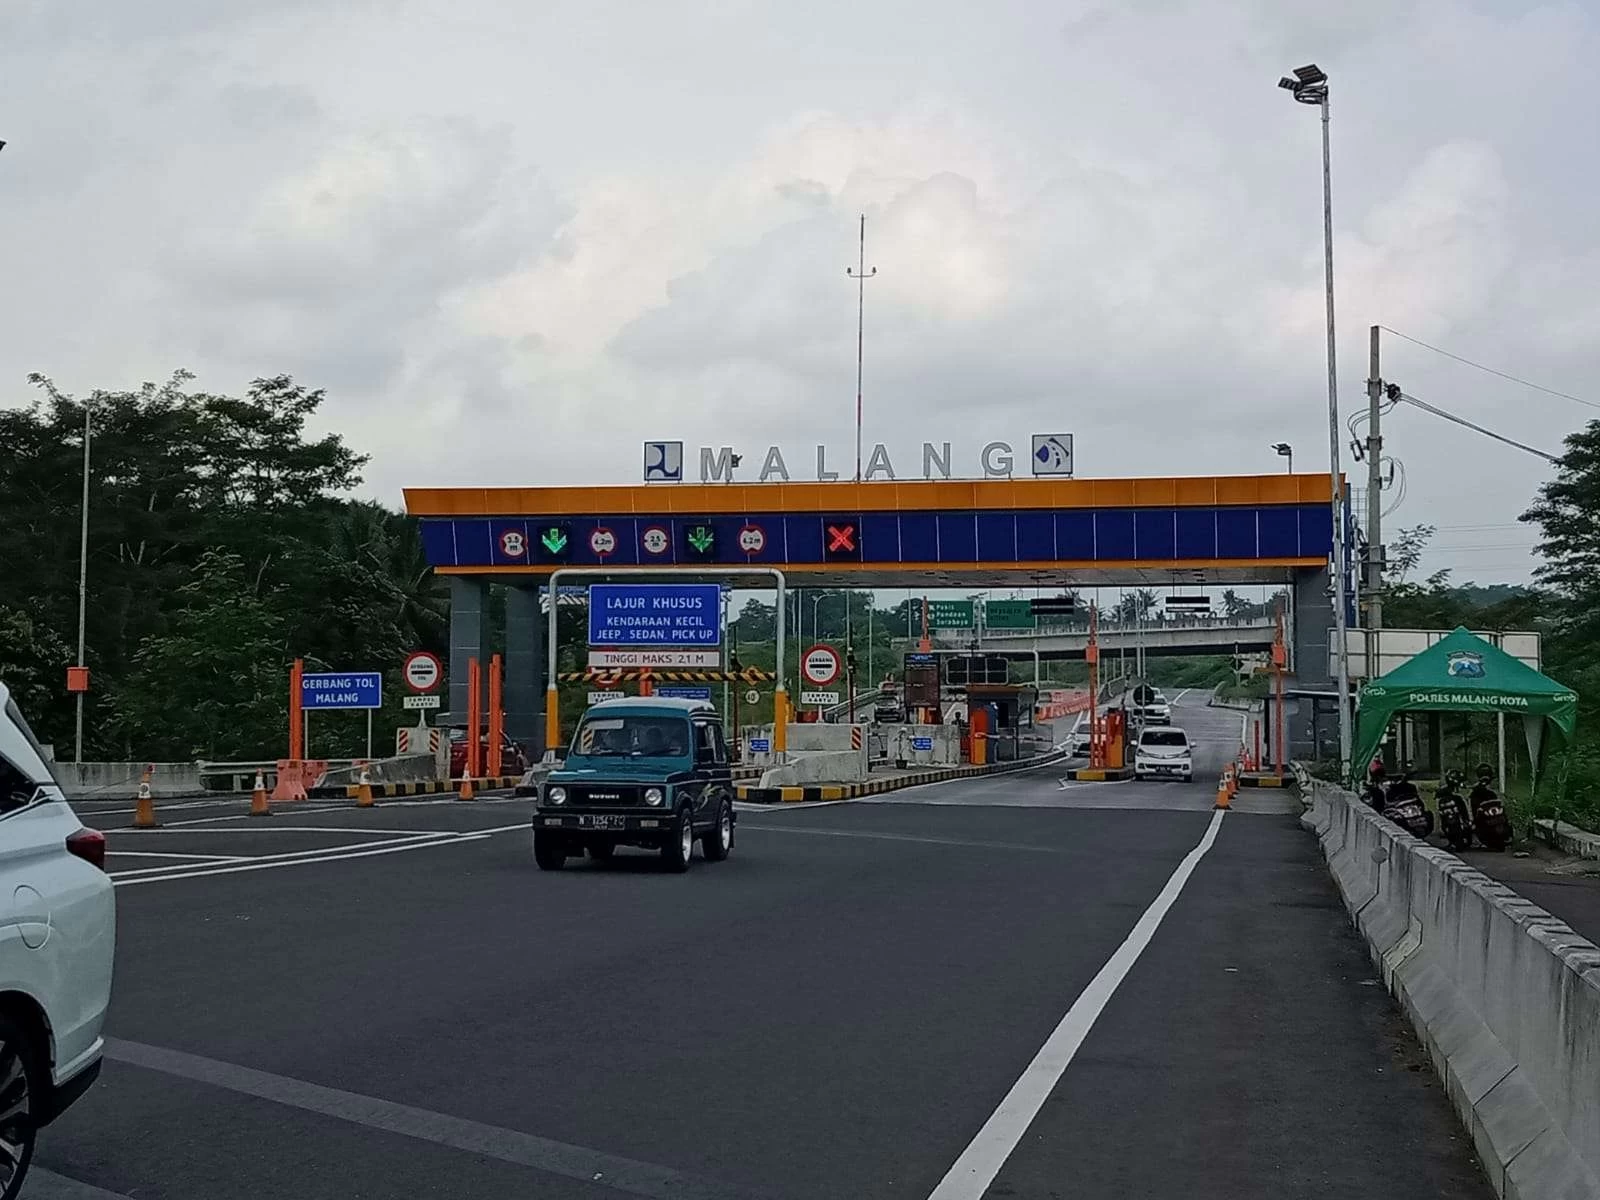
549 851
678 850
718 844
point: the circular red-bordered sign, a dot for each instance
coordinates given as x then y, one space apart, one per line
752 539
655 540
602 542
821 665
423 671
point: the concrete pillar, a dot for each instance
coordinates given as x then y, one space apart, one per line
1313 729
469 636
524 688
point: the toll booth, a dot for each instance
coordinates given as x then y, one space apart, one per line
1011 707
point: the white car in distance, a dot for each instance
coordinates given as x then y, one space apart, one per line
57 940
1163 751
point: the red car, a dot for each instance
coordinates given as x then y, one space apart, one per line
512 760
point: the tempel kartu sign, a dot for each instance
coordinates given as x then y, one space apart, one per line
655 615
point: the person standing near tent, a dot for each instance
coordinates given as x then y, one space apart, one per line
1489 820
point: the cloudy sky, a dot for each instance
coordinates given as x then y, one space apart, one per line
513 239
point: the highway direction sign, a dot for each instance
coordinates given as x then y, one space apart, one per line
349 689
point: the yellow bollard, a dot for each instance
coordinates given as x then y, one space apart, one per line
144 809
258 798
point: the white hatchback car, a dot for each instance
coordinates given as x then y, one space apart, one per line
57 939
1163 750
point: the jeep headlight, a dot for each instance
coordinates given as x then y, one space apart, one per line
654 797
556 795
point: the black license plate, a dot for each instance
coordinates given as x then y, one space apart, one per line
602 821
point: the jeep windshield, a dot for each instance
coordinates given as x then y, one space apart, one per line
631 736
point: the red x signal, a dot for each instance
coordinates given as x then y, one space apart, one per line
841 538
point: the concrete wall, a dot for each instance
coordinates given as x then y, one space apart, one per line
818 766
1505 997
946 744
111 780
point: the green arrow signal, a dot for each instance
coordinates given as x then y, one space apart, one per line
701 538
555 540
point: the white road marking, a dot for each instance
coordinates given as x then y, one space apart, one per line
275 828
122 880
1176 699
114 853
987 1153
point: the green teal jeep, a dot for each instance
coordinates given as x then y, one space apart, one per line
641 772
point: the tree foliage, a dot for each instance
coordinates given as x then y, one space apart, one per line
222 545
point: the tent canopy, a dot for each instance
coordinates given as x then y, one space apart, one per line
1463 673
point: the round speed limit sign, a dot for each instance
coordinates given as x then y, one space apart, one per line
752 697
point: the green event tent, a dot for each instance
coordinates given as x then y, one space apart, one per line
1463 673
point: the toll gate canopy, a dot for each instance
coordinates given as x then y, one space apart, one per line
924 533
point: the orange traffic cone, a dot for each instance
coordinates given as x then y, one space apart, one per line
144 809
364 789
465 793
1223 794
258 798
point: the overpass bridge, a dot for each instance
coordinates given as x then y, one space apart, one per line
1160 639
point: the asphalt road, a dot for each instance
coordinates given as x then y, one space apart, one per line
346 1003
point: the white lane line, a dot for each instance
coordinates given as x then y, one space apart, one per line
372 831
983 1158
312 852
195 857
238 868
1176 699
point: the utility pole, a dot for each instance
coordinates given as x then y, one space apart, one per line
1375 555
860 274
83 574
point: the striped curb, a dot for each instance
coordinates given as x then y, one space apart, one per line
811 793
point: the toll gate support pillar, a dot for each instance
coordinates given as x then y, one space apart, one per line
469 635
1311 724
524 686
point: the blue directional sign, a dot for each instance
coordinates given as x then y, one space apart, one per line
348 689
655 614
760 745
922 743
683 692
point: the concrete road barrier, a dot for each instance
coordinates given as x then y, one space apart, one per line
1578 842
1505 997
120 780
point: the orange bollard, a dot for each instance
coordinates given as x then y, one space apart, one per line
144 809
364 789
258 798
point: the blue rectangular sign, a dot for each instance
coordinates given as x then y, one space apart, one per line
655 614
683 692
760 745
349 689
922 743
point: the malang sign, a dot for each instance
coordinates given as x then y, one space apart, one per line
1050 455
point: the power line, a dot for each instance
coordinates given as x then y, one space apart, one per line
1450 416
1538 387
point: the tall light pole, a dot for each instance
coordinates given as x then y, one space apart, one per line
1286 451
83 578
860 274
1310 86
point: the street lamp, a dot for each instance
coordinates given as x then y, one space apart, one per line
1285 451
83 579
1310 86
